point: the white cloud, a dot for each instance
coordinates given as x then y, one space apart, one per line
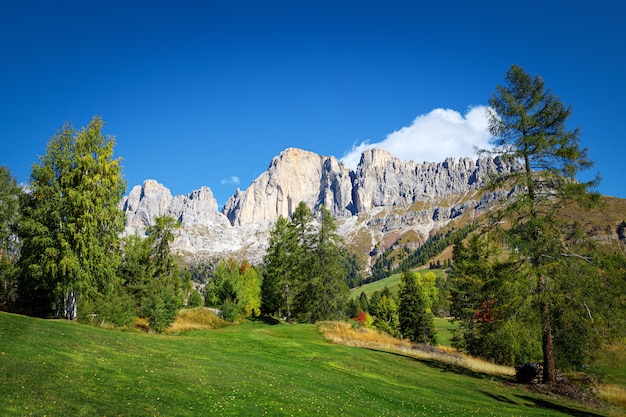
231 180
433 137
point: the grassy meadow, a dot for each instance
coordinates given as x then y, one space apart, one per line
392 282
59 368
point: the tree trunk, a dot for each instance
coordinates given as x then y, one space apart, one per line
549 368
287 302
69 305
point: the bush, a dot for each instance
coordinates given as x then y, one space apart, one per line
117 310
161 308
230 311
195 299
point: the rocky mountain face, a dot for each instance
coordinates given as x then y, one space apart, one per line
383 197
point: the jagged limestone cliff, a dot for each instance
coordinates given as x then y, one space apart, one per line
383 196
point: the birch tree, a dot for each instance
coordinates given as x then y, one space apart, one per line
72 220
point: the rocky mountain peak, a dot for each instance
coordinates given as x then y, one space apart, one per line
378 197
293 176
152 199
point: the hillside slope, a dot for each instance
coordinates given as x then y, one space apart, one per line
61 368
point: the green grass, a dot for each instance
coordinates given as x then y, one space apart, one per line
392 282
57 368
444 328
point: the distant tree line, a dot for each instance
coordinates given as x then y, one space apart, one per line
388 263
408 314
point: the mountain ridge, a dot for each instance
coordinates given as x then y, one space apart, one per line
383 195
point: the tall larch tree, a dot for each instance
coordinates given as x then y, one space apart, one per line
528 123
72 220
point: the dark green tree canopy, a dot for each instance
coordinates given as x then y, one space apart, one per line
304 269
416 321
11 197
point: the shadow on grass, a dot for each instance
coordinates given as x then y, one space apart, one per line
500 398
536 402
542 403
265 320
447 367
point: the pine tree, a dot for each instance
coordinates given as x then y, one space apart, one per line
280 272
416 323
304 271
325 292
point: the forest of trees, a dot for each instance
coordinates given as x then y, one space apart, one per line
525 283
304 274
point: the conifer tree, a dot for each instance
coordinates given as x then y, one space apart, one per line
528 123
416 322
304 271
280 272
325 291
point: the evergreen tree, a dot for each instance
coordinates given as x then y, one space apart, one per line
136 269
528 123
304 268
325 292
373 303
416 323
236 287
495 321
364 302
280 270
195 299
72 221
160 236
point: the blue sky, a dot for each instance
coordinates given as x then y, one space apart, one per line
207 92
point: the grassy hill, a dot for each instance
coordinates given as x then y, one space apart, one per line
58 368
391 282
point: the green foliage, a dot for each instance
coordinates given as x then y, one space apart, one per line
529 125
495 321
325 293
150 275
160 307
279 270
415 319
230 311
11 196
304 269
137 269
118 309
72 222
386 318
194 300
236 287
589 308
